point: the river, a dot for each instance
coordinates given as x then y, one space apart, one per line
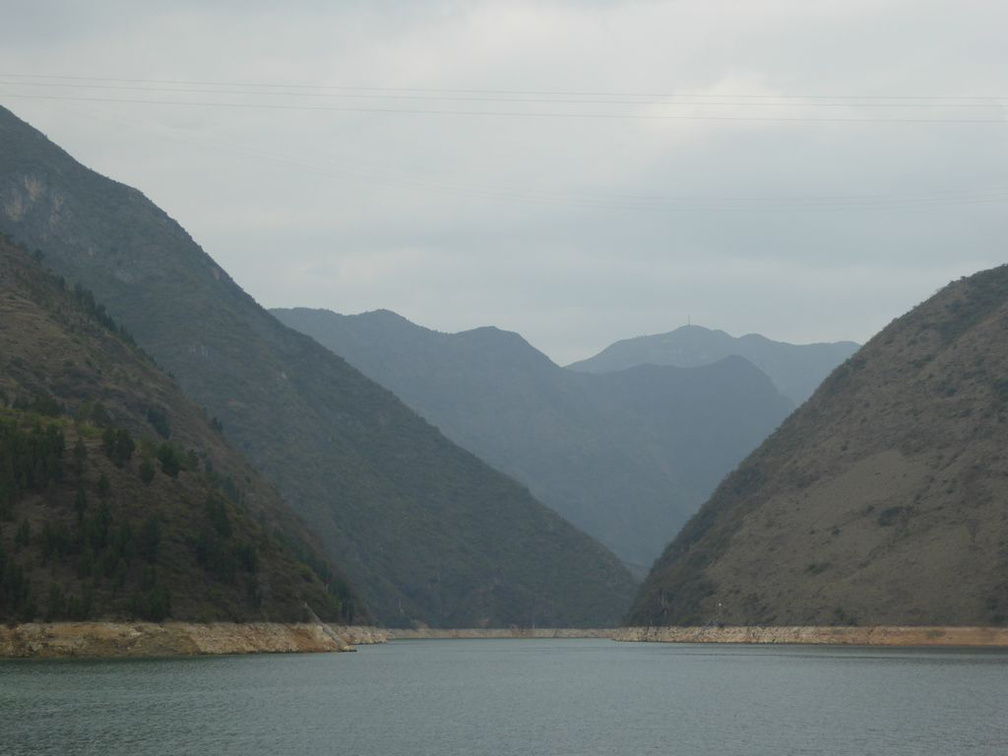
521 696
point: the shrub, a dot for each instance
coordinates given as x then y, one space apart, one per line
118 445
150 539
889 516
158 418
146 471
171 460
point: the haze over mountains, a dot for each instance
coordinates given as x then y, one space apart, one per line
881 501
426 532
627 455
795 369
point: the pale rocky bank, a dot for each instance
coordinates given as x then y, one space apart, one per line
853 636
498 632
148 639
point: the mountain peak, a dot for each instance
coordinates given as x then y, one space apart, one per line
796 370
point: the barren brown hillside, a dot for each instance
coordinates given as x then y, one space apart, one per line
882 500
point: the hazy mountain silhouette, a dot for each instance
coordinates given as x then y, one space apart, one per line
880 501
796 370
425 530
628 456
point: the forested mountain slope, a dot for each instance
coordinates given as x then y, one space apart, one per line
119 498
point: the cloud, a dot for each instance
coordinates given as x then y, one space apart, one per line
521 164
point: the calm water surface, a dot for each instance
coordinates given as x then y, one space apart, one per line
505 697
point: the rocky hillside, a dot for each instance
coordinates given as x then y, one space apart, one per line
424 530
795 369
628 456
880 501
119 498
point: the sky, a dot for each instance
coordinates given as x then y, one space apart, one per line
578 172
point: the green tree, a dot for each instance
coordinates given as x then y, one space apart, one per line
158 418
80 503
85 561
171 460
56 604
98 415
23 535
15 589
97 527
123 545
150 539
146 471
216 512
247 556
152 601
80 458
119 445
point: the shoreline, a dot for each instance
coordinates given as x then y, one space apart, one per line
107 640
882 635
434 633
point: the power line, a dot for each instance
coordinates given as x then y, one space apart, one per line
332 166
500 114
711 100
555 93
539 196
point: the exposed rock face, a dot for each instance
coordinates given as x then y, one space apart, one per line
140 639
881 501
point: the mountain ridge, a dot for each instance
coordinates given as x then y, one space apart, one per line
878 502
406 513
627 456
796 369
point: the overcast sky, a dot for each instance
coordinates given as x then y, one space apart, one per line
579 172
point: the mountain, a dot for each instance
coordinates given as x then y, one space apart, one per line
796 370
879 501
119 498
627 456
425 531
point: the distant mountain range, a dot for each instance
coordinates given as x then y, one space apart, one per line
796 370
119 497
426 532
628 455
881 501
